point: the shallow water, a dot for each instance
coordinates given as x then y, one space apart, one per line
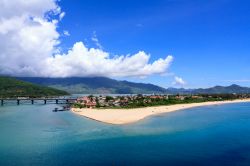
212 135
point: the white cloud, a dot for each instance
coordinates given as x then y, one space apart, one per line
27 37
34 8
96 40
29 47
81 61
61 15
66 33
179 81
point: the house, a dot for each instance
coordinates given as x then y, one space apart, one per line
91 104
84 99
87 101
123 102
156 97
180 97
197 97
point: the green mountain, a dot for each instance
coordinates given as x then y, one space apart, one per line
213 90
103 85
95 85
12 87
224 89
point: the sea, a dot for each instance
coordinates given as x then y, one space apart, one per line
34 135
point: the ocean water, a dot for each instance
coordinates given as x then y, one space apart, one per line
204 136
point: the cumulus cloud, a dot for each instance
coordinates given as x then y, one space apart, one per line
29 42
82 61
179 81
27 35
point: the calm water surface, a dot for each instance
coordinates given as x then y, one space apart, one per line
213 135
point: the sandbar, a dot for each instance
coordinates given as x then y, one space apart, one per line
126 116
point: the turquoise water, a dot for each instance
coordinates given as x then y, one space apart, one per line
213 135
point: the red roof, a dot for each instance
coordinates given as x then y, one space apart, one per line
91 104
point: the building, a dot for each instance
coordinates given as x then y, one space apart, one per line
91 104
87 101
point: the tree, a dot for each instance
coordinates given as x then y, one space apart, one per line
108 98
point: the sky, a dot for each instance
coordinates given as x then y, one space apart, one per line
171 43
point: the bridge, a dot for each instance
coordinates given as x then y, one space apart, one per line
44 100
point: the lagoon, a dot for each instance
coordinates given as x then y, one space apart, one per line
210 135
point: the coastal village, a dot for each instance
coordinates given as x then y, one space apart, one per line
116 101
147 100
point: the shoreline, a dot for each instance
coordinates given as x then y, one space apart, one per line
126 116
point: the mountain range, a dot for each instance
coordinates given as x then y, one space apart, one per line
103 85
213 90
95 85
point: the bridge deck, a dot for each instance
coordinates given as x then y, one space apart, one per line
67 100
39 99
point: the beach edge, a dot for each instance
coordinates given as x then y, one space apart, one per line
128 116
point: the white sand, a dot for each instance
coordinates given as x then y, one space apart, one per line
125 116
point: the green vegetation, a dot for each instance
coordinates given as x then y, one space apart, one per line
147 101
104 102
108 98
95 85
102 85
77 105
159 102
11 87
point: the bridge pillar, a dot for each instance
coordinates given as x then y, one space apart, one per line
32 101
18 102
1 102
45 101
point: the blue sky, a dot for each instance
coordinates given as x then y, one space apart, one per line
208 39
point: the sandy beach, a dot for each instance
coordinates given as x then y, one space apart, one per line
125 116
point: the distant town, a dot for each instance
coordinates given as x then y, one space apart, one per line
134 101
